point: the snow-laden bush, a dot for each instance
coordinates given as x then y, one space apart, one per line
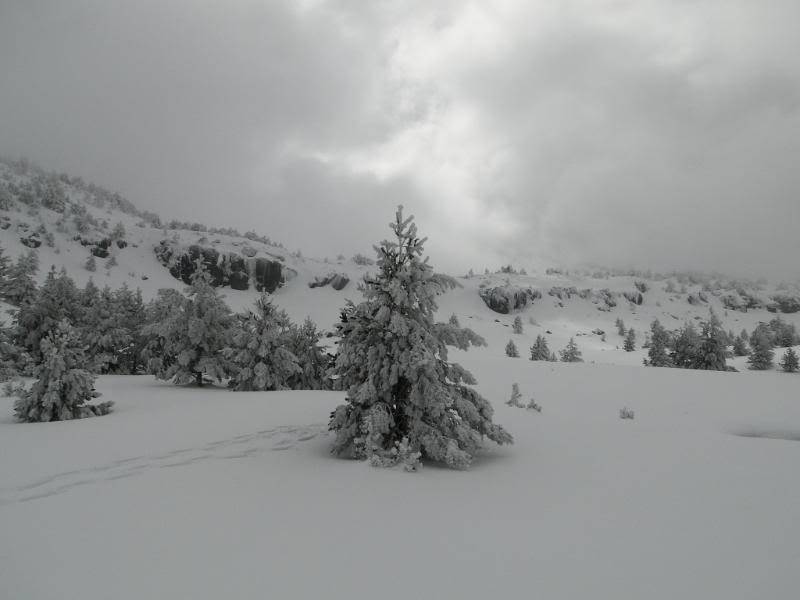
63 386
511 349
626 413
571 353
514 400
539 350
392 361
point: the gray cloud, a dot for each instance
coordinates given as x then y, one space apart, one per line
661 134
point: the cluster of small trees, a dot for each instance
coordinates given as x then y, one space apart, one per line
707 348
64 336
541 351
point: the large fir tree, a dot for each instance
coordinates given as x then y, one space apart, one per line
392 361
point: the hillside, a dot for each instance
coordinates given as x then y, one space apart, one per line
67 220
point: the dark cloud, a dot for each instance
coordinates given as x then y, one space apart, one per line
661 134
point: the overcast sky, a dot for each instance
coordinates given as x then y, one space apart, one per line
649 133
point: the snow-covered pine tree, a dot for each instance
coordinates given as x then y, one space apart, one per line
392 360
454 320
761 353
9 354
194 334
517 326
160 315
539 350
55 301
657 353
19 286
710 351
5 265
630 341
789 362
118 233
257 353
514 400
684 347
571 353
303 341
620 325
740 344
105 333
511 349
90 264
63 386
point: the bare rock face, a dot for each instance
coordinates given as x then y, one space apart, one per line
32 241
233 270
507 298
337 281
634 297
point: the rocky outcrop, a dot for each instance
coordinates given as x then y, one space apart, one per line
507 298
32 241
633 297
231 269
337 281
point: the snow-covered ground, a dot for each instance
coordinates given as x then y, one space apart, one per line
205 493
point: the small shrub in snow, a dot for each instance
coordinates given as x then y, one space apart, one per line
91 263
630 341
571 353
761 353
454 321
789 361
625 413
517 326
362 260
620 325
511 349
514 400
533 406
